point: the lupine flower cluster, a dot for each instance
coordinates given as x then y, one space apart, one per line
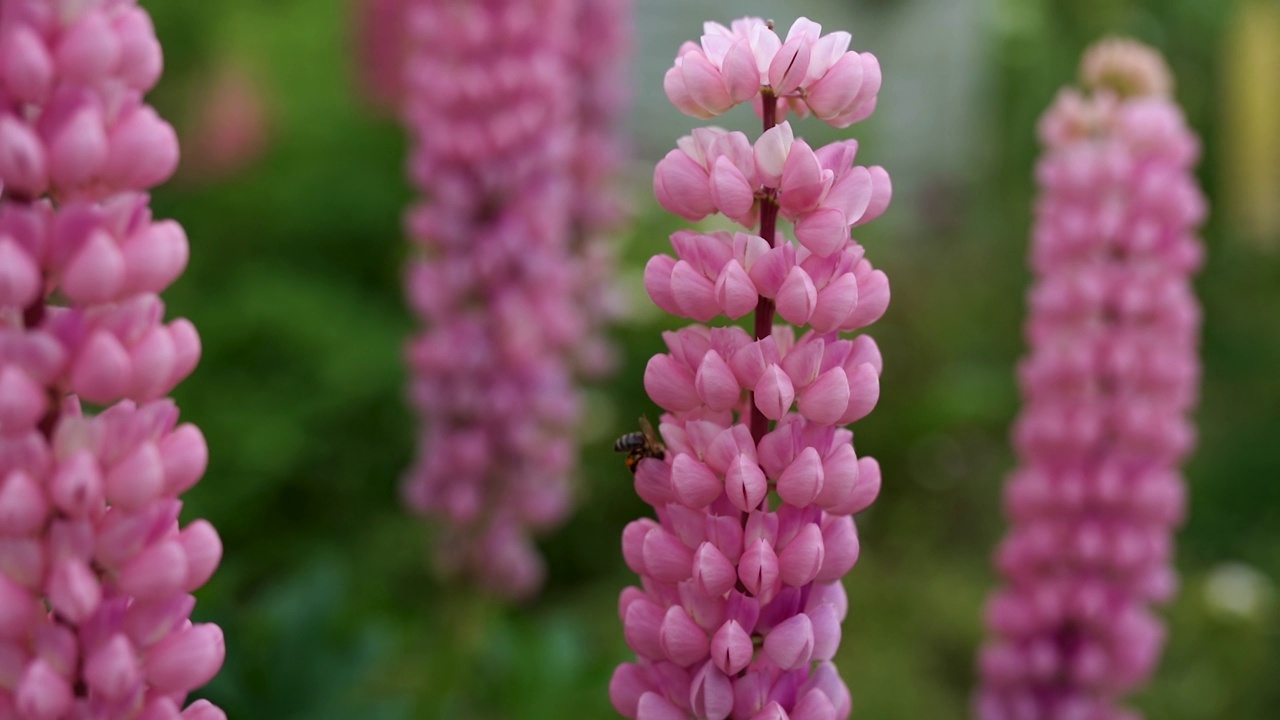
1112 374
95 570
491 96
740 602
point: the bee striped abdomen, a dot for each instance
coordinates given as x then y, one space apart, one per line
640 445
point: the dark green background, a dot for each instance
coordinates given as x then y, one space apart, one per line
294 283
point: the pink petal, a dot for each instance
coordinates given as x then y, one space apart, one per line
771 270
641 623
22 401
823 231
704 83
840 544
155 572
758 569
739 71
657 281
653 706
203 549
153 359
797 298
826 400
851 194
837 88
187 659
789 66
143 150
771 152
731 192
19 608
678 93
716 384
155 257
800 560
873 300
711 693
633 543
745 484
682 640
826 631
864 392
78 150
666 558
777 449
682 186
693 292
20 281
773 393
184 456
26 66
41 692
626 687
804 181
23 168
731 648
713 572
735 292
802 362
74 591
136 479
670 384
790 644
801 482
815 705
112 669
836 302
694 483
101 369
95 273
882 192
840 477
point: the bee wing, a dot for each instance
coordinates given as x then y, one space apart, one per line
647 428
651 435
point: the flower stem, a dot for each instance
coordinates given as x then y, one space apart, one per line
768 231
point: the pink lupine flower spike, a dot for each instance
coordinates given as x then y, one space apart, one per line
95 570
506 274
1110 378
740 602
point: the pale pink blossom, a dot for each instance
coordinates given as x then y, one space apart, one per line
739 609
508 273
1110 379
95 570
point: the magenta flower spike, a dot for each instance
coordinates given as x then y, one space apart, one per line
740 600
95 570
507 275
1109 382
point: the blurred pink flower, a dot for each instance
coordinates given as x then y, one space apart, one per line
1112 375
95 570
228 124
381 44
740 604
508 274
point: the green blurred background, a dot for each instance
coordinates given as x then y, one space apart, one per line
327 601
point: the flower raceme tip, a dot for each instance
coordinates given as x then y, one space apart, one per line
806 72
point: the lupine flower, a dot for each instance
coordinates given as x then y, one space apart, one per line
501 276
739 608
229 124
95 570
1112 374
379 48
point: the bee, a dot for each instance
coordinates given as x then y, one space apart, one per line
640 445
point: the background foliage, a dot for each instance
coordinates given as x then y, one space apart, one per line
329 608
